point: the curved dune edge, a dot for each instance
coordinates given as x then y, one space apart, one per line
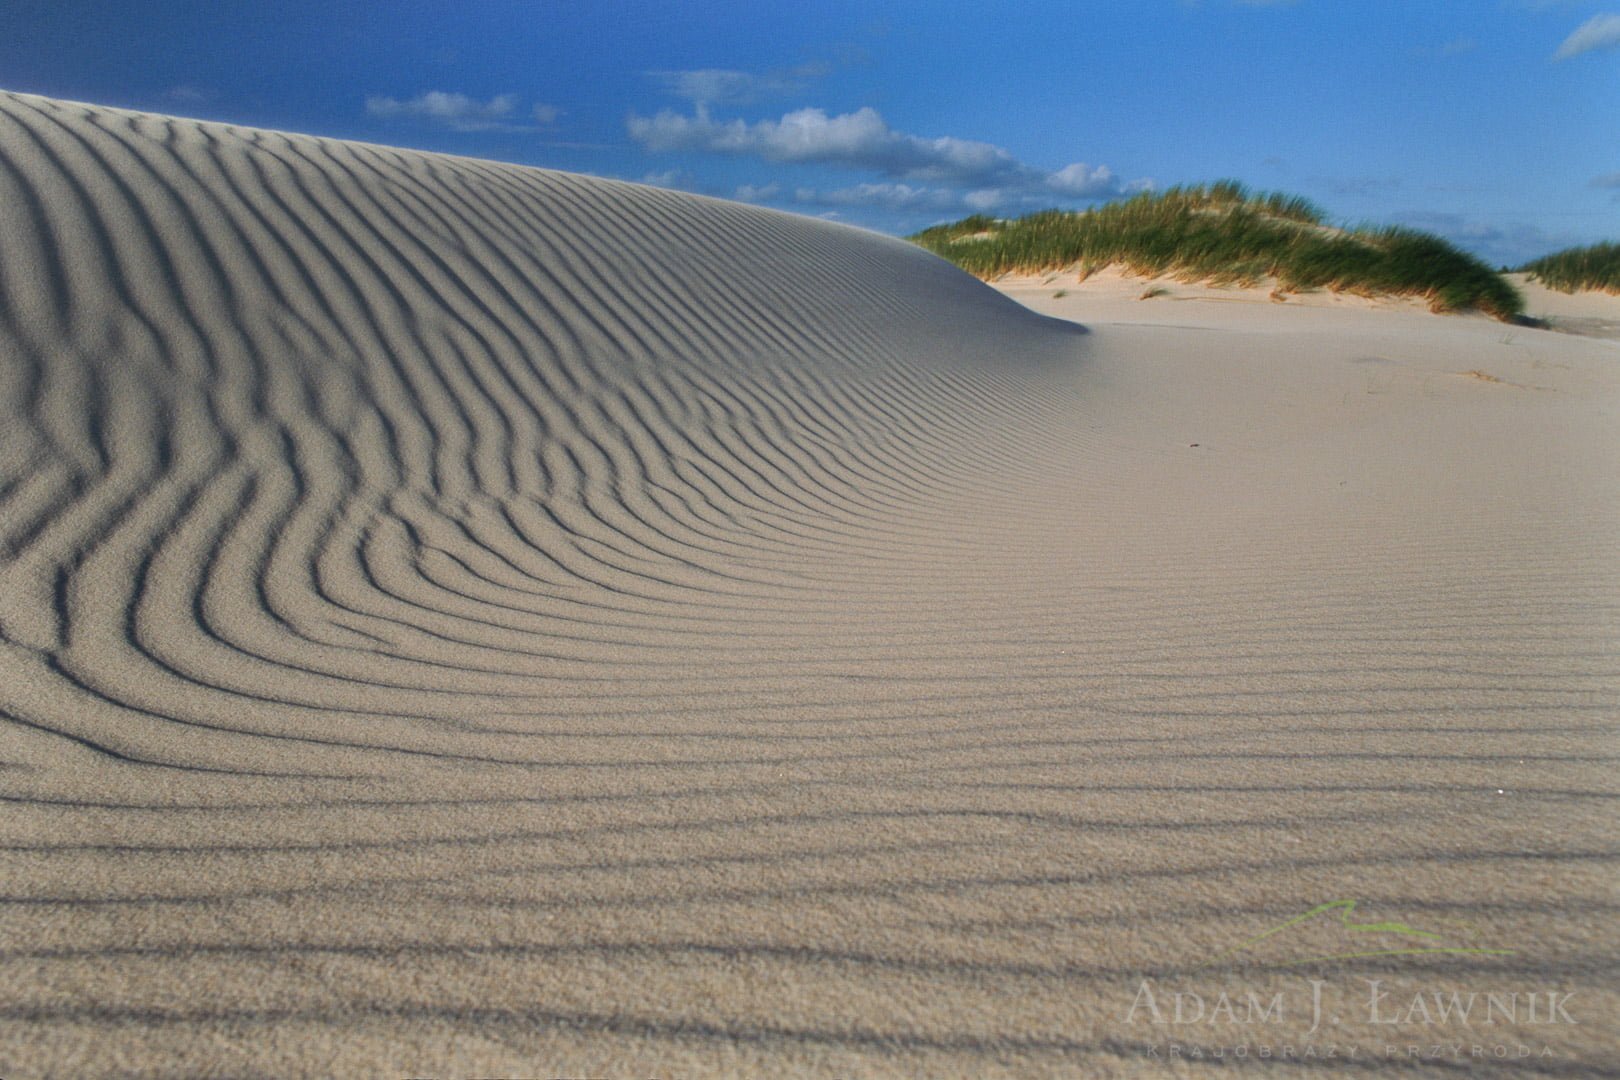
462 619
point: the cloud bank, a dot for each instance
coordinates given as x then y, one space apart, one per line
942 172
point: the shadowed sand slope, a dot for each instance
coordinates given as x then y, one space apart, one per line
458 618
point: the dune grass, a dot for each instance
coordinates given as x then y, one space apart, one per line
1224 234
1573 269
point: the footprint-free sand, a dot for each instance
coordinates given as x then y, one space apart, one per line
461 619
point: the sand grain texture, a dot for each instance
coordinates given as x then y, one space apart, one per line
460 619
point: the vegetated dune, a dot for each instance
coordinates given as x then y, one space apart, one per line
459 618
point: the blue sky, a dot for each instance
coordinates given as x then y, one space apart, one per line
1493 122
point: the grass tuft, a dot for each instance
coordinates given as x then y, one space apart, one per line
1573 269
1222 233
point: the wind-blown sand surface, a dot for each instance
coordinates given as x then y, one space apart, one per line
459 619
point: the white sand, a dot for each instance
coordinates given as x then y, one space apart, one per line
458 619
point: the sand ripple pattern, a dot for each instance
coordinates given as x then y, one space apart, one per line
300 429
465 619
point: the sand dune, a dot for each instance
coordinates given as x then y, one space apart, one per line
461 619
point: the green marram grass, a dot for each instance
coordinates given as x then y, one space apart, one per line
1224 234
1574 269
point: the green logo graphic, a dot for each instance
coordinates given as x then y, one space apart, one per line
1416 942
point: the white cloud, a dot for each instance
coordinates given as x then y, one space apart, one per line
860 139
986 199
669 178
1598 32
757 192
896 195
458 112
1082 180
888 196
863 140
1609 180
725 86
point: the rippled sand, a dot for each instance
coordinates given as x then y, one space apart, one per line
460 619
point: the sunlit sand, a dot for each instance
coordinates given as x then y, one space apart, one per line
461 619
